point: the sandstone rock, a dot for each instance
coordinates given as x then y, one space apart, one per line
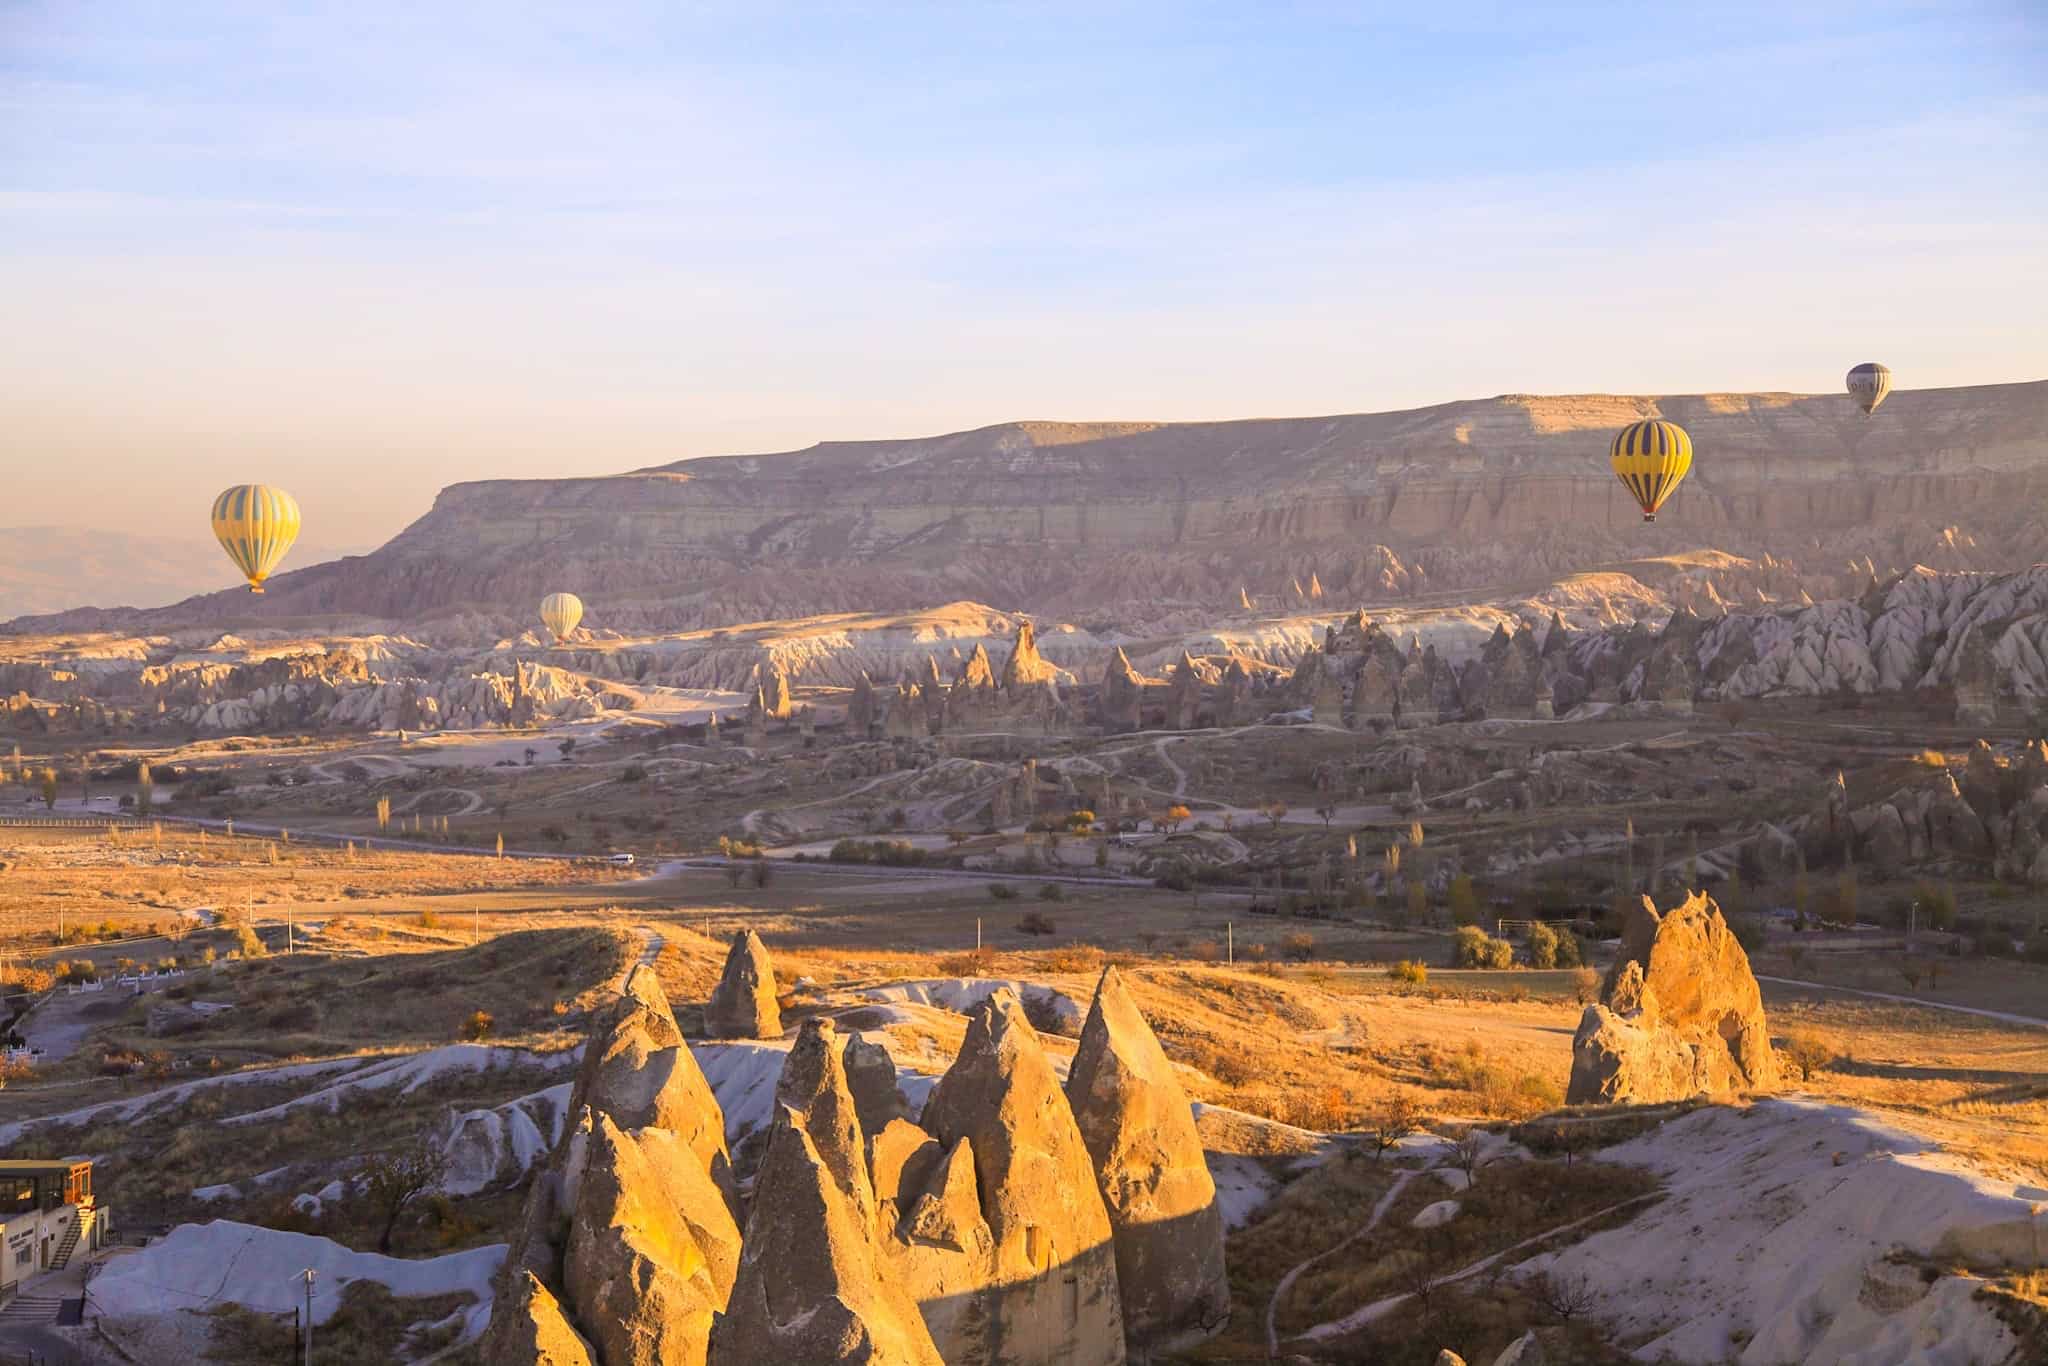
871 1076
1054 1295
1680 1014
1140 1132
529 1329
813 1089
935 1238
634 1273
1449 1358
743 1005
812 1285
638 1071
1885 842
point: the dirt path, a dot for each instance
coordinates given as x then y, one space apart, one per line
2003 1017
1379 1212
1357 1319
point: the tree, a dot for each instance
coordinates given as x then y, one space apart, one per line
1468 1153
476 1027
384 813
1566 1297
1328 811
531 755
734 871
1418 903
1176 816
501 844
1464 900
1390 1119
393 1180
1542 946
50 788
145 788
1275 812
763 871
567 747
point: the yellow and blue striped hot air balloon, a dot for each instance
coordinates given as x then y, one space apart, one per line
1651 459
256 524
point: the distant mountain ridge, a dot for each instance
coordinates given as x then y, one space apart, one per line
50 568
1115 521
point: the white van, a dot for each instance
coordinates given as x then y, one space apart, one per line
622 860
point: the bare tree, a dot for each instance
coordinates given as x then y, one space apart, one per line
1566 1297
393 1180
1392 1118
1468 1153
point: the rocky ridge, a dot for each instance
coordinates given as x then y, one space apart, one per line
1115 520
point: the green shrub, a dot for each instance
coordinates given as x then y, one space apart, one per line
1002 891
1051 891
1542 946
1472 947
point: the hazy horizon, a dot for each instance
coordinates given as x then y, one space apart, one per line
366 254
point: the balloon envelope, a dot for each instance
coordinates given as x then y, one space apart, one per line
560 612
1868 383
256 524
1651 459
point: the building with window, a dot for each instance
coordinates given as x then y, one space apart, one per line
47 1215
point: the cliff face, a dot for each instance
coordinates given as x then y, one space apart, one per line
1066 517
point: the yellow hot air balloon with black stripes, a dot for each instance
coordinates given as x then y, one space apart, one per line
256 524
560 612
1651 459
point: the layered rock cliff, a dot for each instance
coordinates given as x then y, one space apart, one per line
1072 518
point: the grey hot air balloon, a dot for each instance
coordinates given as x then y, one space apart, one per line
1868 384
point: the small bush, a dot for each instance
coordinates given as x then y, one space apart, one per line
1408 971
1034 922
1001 891
476 1026
1052 891
1542 946
426 920
1299 946
1807 1055
246 942
1472 947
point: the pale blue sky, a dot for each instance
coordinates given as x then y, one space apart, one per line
364 250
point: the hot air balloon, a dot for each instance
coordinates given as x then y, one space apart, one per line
1868 384
1651 459
560 612
256 524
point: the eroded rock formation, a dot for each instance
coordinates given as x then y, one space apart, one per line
1679 1014
743 1005
626 1246
1155 1182
1053 1295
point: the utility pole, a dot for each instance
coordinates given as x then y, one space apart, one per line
472 926
308 1274
977 934
290 947
1230 943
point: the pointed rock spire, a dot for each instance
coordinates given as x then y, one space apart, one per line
743 1004
1054 1296
1140 1131
812 1284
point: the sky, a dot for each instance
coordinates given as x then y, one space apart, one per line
364 250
